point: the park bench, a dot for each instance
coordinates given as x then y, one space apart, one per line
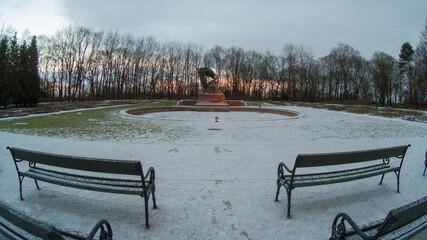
401 223
15 224
375 162
67 171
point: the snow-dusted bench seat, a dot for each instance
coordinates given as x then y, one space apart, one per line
401 223
86 173
15 224
375 162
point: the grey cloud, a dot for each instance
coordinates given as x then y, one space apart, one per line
368 26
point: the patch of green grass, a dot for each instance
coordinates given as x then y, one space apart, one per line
158 103
361 109
278 103
254 103
336 107
414 115
91 124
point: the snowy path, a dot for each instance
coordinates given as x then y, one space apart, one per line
220 184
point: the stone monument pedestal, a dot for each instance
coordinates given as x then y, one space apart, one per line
211 96
211 99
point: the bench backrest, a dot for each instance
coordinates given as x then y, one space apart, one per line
78 163
402 216
31 226
326 159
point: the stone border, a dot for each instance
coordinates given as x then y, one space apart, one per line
52 107
145 110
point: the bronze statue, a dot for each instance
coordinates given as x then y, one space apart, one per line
211 86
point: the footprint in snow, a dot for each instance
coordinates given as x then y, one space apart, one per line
173 150
226 150
217 149
228 204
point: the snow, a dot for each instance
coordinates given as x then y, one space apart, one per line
221 184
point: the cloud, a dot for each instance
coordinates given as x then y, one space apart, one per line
367 25
37 16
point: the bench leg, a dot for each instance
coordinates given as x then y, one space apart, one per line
425 163
381 182
20 190
278 189
147 224
398 180
398 189
288 191
37 185
21 179
153 195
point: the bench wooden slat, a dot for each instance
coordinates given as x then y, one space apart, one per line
369 159
15 224
35 227
402 223
12 232
405 214
85 179
333 174
67 171
410 230
343 178
326 159
79 163
84 185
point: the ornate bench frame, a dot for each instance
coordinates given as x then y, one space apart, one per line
404 223
293 180
66 170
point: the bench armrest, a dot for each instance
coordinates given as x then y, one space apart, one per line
151 175
338 228
105 234
281 168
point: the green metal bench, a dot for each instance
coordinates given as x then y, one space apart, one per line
15 224
377 163
402 223
67 171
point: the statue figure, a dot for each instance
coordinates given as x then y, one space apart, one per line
211 86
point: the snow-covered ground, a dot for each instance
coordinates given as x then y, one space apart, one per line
217 180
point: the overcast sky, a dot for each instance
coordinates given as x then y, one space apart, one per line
366 25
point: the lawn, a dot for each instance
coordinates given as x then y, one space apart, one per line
213 184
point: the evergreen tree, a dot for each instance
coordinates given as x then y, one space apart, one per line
406 54
33 73
13 73
406 68
21 77
4 62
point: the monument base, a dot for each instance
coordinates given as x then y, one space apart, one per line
211 99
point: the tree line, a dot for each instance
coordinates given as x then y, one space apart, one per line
19 77
78 63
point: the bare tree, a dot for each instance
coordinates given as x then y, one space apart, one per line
78 63
235 58
420 65
289 58
275 74
383 68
